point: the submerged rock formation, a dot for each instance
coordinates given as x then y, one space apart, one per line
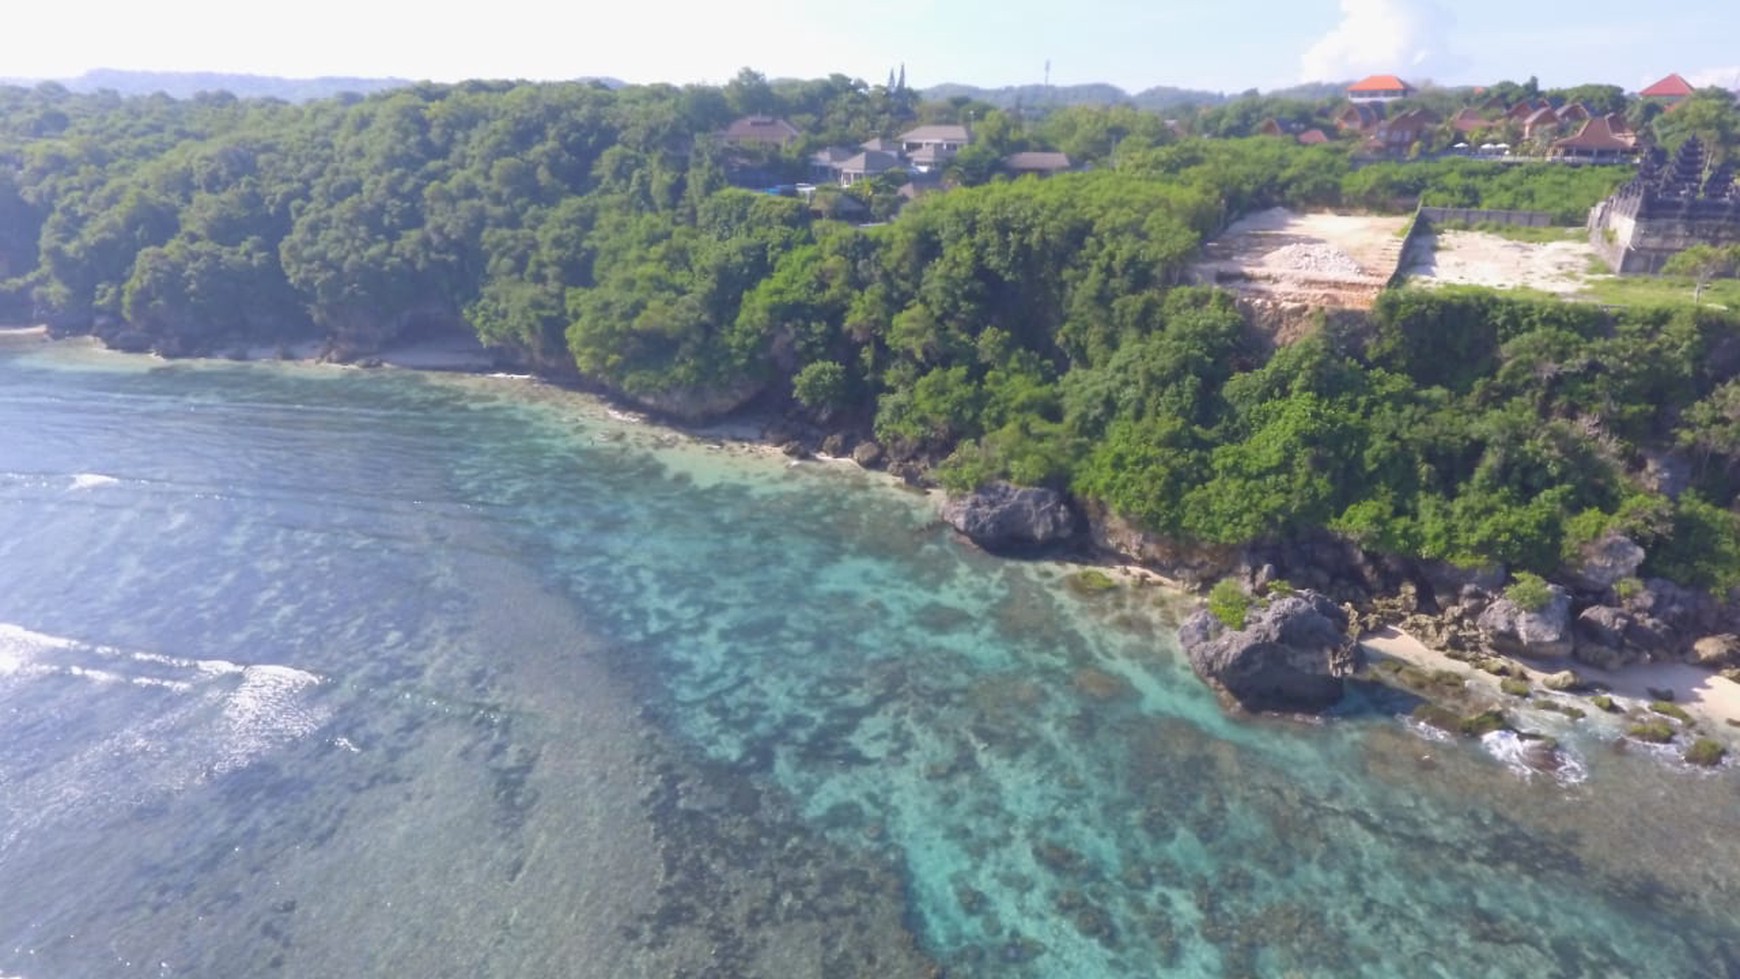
1293 654
1004 517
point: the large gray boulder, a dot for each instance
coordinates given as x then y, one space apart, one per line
1717 652
1612 638
1543 633
1604 562
1003 517
1293 654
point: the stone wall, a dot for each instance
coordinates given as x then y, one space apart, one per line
1663 230
1471 215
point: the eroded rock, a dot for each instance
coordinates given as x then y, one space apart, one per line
1717 652
1293 654
1605 562
1543 633
1004 517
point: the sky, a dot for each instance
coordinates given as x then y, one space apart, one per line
1228 45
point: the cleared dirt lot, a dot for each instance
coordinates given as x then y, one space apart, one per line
1332 260
1478 258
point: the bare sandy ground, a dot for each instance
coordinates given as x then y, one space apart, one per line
1320 259
1478 258
1699 691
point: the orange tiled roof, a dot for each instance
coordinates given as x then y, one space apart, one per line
1673 86
1380 83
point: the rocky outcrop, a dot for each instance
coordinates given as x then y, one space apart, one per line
1601 634
1668 473
1293 654
1605 562
1687 611
1193 564
1562 681
1453 584
1717 652
697 404
1543 633
867 454
1004 517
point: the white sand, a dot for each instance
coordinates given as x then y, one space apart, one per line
1699 691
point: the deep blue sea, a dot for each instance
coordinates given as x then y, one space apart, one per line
320 672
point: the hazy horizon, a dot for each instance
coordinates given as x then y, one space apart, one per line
1230 47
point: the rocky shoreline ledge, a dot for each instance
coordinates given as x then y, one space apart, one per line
1464 651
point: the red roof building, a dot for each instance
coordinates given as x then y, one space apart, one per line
1601 138
1469 121
1313 137
1671 89
1379 88
759 131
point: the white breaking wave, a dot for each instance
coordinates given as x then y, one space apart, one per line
1528 758
1427 732
85 481
202 718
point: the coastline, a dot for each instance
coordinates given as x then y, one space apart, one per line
1703 694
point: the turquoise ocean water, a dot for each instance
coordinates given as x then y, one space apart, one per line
318 672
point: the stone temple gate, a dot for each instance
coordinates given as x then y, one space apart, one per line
1671 205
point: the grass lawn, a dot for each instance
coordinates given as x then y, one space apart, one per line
1664 291
1515 232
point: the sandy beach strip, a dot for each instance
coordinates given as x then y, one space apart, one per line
1701 692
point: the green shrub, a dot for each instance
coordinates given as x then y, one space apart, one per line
1674 711
1604 702
1529 592
1514 686
1626 589
1281 588
1654 732
820 385
1707 752
1228 602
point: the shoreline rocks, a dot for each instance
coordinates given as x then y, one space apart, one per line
1292 655
1541 633
1004 518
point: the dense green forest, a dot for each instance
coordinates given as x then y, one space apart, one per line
1032 329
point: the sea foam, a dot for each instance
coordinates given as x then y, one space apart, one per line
85 481
213 716
1529 758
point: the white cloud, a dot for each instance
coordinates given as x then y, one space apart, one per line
1410 38
1726 77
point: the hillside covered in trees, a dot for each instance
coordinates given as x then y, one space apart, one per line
1036 330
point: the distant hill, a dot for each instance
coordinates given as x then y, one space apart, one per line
1158 98
186 84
